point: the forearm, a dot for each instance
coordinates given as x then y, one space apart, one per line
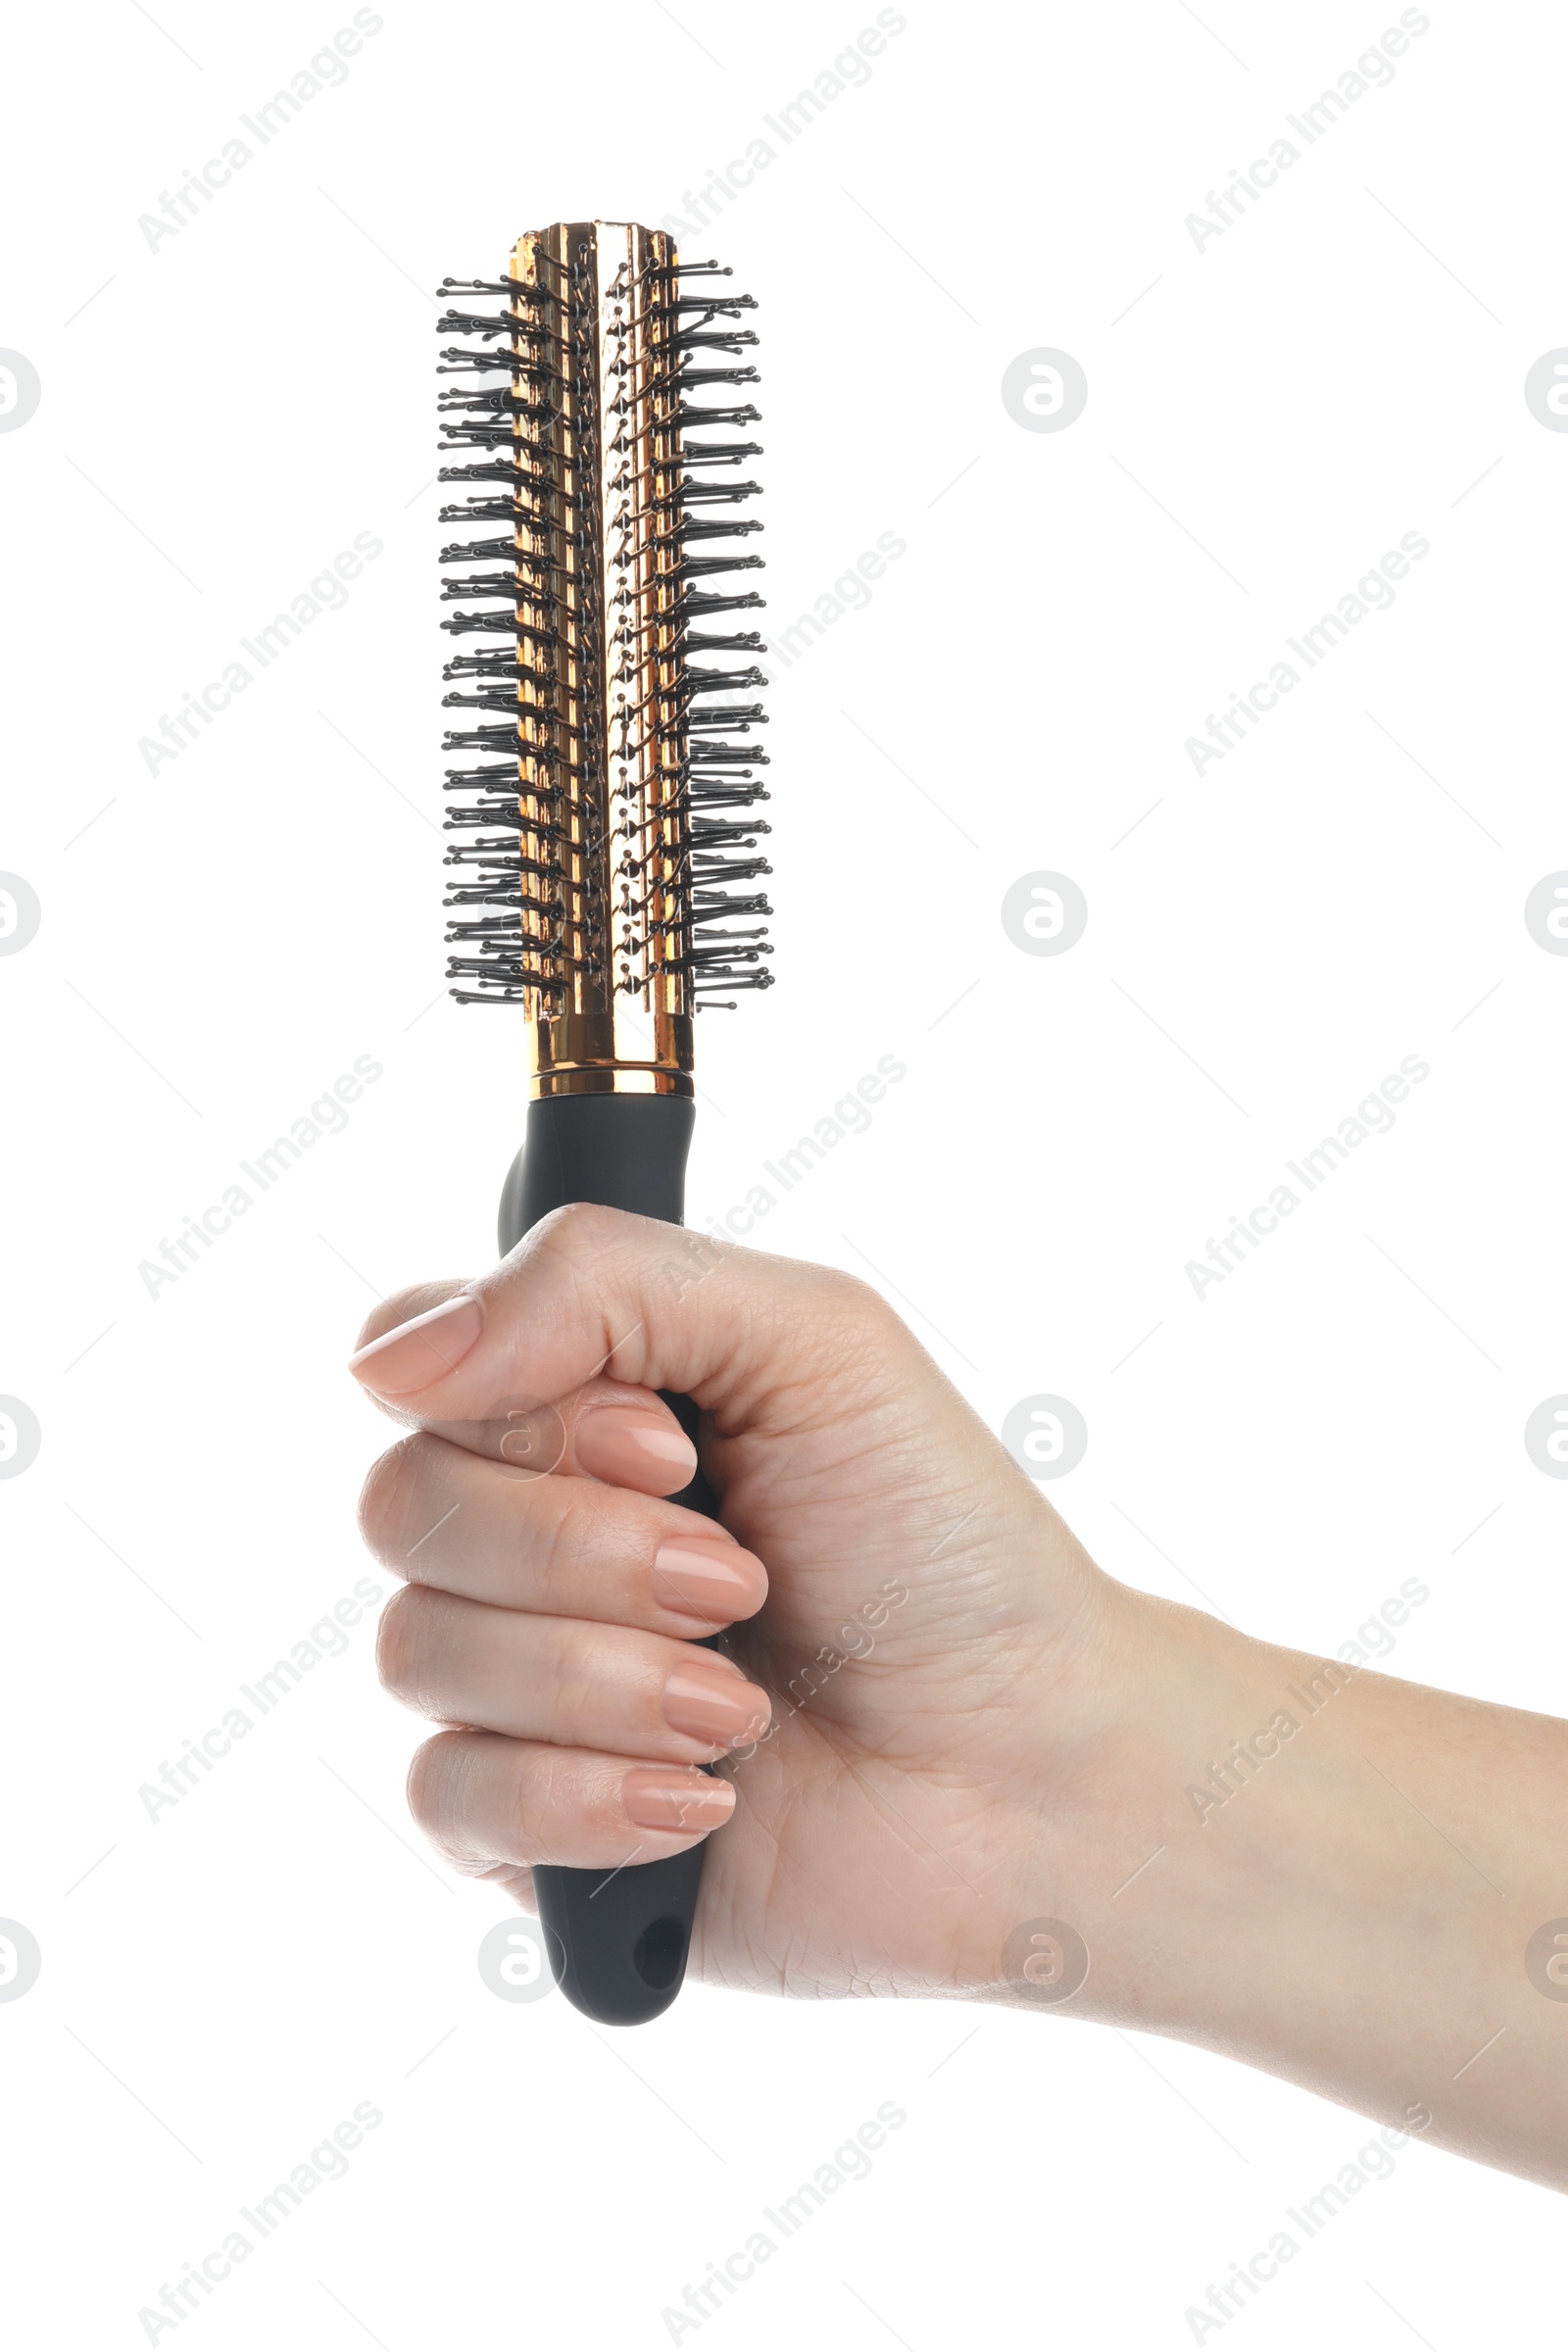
1352 1870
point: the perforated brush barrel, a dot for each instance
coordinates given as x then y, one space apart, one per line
607 849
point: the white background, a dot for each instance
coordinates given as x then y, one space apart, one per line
225 413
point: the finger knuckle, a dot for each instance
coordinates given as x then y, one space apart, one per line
382 1502
856 1297
393 1485
435 1772
577 1531
576 1700
581 1230
403 1641
534 1801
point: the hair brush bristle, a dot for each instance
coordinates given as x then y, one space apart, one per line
606 836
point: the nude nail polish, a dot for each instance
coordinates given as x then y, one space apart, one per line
657 1797
629 1447
420 1352
714 1703
711 1582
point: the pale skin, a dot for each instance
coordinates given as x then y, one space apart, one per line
1008 1734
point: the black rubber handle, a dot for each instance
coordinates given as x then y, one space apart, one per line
618 1940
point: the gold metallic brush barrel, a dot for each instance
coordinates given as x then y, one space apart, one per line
608 900
605 470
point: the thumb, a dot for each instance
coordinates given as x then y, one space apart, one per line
594 1294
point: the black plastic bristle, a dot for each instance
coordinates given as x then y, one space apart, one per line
622 807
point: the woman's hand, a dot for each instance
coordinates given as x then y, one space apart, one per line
945 1733
918 1643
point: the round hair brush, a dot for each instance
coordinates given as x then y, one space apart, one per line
606 847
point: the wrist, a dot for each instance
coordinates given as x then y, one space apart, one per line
1183 1808
1311 1868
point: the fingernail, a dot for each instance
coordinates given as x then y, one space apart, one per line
629 1447
692 1801
420 1350
716 1703
711 1582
